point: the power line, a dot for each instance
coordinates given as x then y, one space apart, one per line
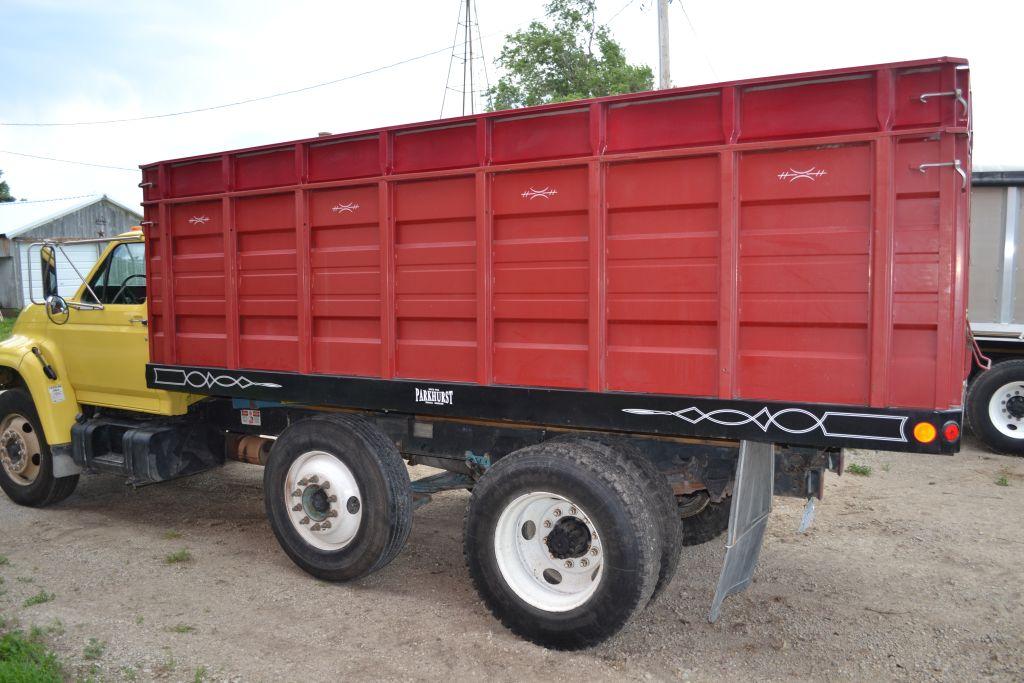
238 102
700 43
621 10
68 161
19 202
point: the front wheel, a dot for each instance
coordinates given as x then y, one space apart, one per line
562 544
995 407
26 465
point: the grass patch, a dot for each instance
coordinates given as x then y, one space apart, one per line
168 665
54 628
94 650
26 660
201 674
171 535
886 467
6 325
4 561
25 579
179 557
1003 481
859 470
39 598
183 628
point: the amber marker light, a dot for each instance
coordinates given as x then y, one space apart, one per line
925 432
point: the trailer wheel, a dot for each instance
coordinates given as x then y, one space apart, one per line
26 465
995 407
658 490
338 497
562 544
706 525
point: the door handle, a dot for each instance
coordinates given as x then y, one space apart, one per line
138 321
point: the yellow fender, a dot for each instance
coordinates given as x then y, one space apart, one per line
54 399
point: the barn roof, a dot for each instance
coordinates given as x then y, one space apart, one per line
20 217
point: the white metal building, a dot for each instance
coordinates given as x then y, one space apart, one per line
24 223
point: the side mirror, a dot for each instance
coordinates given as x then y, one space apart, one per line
48 261
57 310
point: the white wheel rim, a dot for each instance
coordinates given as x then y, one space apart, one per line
20 452
323 500
1005 402
550 581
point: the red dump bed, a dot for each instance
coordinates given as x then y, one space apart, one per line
799 238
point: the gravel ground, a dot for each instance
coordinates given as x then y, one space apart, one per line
913 572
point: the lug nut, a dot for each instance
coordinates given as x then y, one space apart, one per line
558 512
573 510
304 520
297 507
568 564
314 479
296 493
584 562
325 525
332 499
332 513
326 485
593 551
315 527
303 481
547 523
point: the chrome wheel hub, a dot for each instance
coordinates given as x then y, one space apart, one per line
323 499
1006 410
548 551
20 452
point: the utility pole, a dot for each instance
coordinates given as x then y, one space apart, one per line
664 77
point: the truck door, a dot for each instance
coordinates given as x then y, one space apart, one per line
106 349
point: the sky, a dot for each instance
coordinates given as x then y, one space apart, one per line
87 60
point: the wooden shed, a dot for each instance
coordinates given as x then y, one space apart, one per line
24 223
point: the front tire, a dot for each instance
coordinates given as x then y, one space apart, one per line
338 497
562 544
26 464
995 407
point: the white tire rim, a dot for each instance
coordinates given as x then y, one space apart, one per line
323 500
20 451
552 573
1006 410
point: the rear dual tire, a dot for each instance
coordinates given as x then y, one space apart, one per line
563 543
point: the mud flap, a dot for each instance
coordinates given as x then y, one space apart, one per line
748 519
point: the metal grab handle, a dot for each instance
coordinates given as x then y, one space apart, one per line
957 93
147 184
955 164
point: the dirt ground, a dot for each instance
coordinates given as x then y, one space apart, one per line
914 572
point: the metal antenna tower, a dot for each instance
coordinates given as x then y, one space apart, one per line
467 40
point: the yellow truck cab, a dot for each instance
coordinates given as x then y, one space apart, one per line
67 359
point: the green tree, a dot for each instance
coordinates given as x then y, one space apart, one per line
567 58
5 192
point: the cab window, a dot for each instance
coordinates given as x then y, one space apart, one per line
122 277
